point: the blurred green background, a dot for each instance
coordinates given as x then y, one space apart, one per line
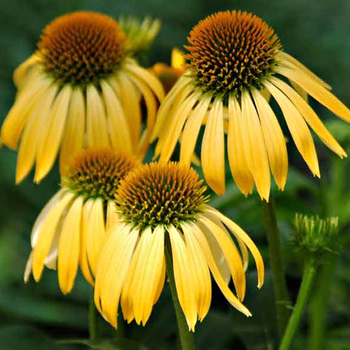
36 316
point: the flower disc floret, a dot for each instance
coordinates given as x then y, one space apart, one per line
96 173
160 193
231 51
82 47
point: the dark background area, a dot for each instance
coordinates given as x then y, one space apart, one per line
36 316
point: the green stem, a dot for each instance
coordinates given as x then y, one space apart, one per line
276 262
303 295
186 337
94 327
319 304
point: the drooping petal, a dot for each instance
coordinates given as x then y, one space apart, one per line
232 256
298 128
129 97
183 277
147 77
191 130
317 91
17 117
201 271
94 230
114 274
255 149
175 126
73 138
51 140
69 245
119 131
179 100
310 117
217 275
238 232
213 149
33 132
295 63
46 234
235 149
96 121
274 140
167 104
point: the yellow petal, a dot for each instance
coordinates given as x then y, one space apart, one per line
20 74
68 249
216 273
17 117
73 138
310 117
94 230
191 131
183 277
120 135
33 132
166 105
46 235
213 149
175 126
235 149
255 149
232 256
286 58
150 79
317 91
238 232
114 275
129 97
28 268
112 215
177 58
201 271
151 105
96 122
177 103
51 140
298 128
274 140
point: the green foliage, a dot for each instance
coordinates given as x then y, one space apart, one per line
314 32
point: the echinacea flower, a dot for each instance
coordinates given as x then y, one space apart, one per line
79 89
162 206
235 59
72 225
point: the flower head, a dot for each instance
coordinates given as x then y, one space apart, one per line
71 228
235 61
81 88
162 206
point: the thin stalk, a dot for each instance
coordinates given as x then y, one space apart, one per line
186 337
319 304
94 327
277 267
303 296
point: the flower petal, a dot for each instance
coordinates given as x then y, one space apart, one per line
213 149
69 245
235 149
298 128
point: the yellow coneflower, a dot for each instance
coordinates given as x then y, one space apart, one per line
235 59
79 89
162 206
73 223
